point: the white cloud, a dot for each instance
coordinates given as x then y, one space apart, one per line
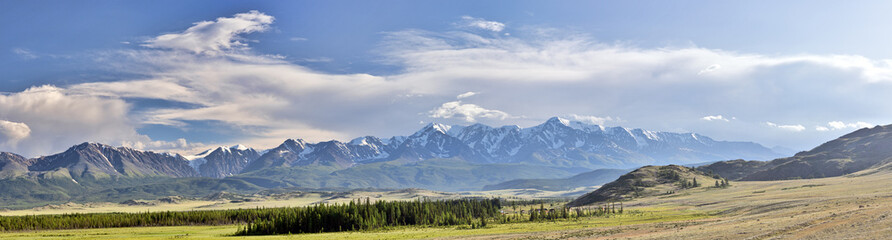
298 39
465 95
24 53
468 112
319 59
794 128
837 125
13 132
711 68
590 119
213 37
483 24
57 119
822 129
715 118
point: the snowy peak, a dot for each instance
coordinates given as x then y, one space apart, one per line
222 161
366 141
239 147
101 160
556 122
433 127
585 127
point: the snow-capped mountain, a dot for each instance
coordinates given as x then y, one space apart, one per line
297 152
556 142
222 161
96 160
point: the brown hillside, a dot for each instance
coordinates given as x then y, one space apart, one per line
647 181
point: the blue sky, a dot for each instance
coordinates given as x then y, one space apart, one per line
185 75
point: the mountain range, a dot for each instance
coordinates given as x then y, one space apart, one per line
556 143
437 157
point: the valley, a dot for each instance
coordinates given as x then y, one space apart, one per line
836 207
655 202
527 120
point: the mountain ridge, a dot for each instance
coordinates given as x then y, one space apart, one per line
556 142
856 151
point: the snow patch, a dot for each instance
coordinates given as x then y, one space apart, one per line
197 163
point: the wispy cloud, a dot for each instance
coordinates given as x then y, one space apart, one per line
794 128
213 37
466 111
715 118
590 119
466 95
711 68
481 23
24 53
838 125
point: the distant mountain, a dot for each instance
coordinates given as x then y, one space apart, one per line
96 160
12 165
856 151
297 152
587 179
223 161
454 174
555 143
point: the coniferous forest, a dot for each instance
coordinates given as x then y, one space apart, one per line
358 215
355 215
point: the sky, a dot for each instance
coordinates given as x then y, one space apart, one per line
182 76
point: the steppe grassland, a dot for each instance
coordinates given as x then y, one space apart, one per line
856 206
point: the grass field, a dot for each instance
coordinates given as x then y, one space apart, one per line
846 207
648 215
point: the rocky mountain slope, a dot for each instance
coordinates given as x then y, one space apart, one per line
223 161
856 151
96 160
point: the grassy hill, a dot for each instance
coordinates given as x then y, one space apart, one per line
856 151
648 181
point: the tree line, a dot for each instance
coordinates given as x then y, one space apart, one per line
355 215
141 219
359 215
